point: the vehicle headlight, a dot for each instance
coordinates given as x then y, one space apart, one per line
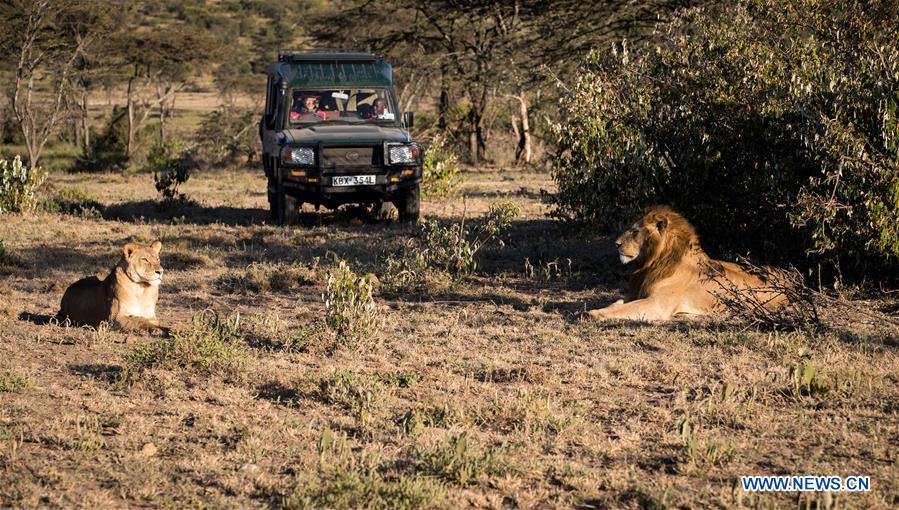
298 155
402 154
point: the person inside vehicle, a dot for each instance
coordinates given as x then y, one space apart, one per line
379 108
308 106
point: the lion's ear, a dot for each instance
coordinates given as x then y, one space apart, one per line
129 250
661 223
156 246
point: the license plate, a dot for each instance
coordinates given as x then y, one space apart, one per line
352 180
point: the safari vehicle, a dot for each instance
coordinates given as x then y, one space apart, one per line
331 135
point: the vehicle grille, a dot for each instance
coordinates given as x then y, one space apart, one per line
337 157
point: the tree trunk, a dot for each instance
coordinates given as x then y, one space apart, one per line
524 141
131 127
443 104
473 134
85 122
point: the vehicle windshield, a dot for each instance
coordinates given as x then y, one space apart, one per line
372 105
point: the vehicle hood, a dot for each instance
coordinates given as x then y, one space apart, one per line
343 133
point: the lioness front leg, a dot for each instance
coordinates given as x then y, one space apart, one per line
648 309
133 323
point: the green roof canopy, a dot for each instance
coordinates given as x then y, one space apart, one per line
335 70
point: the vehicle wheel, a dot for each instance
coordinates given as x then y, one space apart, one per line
273 206
288 209
408 205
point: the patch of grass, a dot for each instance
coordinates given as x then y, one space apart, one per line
180 260
525 412
367 488
350 309
73 201
804 379
508 375
414 421
270 331
701 452
401 378
210 346
461 460
360 396
8 258
11 382
261 277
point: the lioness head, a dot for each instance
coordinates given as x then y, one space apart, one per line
141 263
660 231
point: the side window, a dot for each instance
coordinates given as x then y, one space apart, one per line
271 102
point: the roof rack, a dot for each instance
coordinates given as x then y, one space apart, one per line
325 54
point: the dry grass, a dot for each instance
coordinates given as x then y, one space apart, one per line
487 390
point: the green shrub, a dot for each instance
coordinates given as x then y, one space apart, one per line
446 249
210 346
73 201
771 125
171 167
440 169
19 186
350 309
108 150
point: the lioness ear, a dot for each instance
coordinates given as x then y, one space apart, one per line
661 223
156 246
129 250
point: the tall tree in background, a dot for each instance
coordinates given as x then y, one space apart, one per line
43 41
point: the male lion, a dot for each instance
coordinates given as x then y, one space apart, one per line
672 275
126 298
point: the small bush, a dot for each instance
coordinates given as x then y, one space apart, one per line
19 186
210 346
350 309
446 249
462 461
171 168
261 277
440 170
108 150
12 382
73 201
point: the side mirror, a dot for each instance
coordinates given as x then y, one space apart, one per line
407 119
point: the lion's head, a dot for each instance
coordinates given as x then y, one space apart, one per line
654 244
141 263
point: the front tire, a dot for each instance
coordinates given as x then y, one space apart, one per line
408 204
286 209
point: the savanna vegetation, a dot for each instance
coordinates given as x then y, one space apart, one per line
351 361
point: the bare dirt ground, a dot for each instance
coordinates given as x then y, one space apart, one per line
490 391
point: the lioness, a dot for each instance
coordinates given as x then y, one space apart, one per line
126 298
672 275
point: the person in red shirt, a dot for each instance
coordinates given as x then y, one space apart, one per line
309 106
